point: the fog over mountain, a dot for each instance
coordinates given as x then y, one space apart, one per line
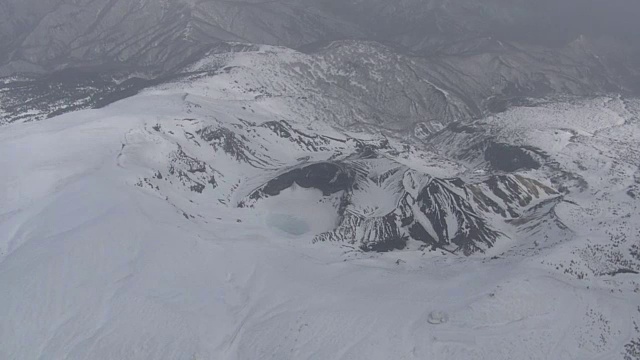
319 179
508 48
52 34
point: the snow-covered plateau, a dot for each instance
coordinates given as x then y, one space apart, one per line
252 210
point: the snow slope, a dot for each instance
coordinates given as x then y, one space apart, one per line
121 237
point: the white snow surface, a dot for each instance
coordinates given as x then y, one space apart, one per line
94 267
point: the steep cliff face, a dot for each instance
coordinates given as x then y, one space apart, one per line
384 205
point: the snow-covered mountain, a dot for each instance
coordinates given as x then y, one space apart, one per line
387 90
260 204
319 179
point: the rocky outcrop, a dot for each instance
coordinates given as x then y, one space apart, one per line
384 210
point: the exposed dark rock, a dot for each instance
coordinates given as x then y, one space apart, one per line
441 206
398 242
327 177
623 271
509 158
233 144
443 214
